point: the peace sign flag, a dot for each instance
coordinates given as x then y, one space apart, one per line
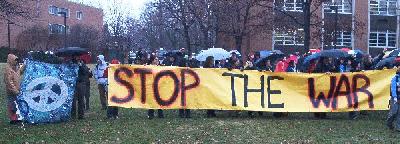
47 92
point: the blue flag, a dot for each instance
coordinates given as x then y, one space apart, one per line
47 92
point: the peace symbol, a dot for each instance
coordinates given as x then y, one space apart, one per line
46 94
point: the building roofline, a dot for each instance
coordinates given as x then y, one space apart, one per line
85 5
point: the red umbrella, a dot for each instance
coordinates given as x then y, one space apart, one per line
346 49
313 51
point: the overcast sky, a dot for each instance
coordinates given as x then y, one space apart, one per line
129 8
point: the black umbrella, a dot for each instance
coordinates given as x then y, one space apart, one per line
269 55
334 53
71 51
394 53
387 62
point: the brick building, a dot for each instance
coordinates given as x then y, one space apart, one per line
45 14
367 25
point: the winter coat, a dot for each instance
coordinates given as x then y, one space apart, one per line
394 87
12 76
280 67
83 73
99 72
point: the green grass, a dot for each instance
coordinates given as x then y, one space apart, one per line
134 127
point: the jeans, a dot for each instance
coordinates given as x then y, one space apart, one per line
12 107
393 114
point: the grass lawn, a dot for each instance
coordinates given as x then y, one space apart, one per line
134 127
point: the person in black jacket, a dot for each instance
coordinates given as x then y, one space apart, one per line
181 62
81 86
325 67
150 113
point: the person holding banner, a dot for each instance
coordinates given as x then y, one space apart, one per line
209 63
12 77
181 62
101 79
112 112
150 113
234 63
324 65
394 103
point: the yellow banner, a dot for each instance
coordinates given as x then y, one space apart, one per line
153 87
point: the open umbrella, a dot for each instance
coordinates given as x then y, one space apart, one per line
217 53
346 49
334 53
236 52
356 53
269 55
309 58
387 62
394 53
71 51
313 51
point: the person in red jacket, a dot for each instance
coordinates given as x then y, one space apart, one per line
112 112
281 66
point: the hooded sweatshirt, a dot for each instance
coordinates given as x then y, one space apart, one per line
99 72
12 76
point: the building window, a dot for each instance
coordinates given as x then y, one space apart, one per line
57 29
290 37
343 39
293 5
79 15
53 10
382 39
383 7
344 6
63 10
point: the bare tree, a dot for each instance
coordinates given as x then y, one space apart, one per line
11 9
84 36
242 19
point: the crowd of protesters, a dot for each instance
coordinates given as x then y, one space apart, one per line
289 63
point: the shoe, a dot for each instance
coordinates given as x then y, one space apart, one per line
150 117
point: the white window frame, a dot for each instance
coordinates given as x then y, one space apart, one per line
376 9
295 8
79 15
51 10
66 10
387 35
290 38
59 29
343 38
341 4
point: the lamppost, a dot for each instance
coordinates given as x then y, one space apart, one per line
335 8
65 27
9 33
